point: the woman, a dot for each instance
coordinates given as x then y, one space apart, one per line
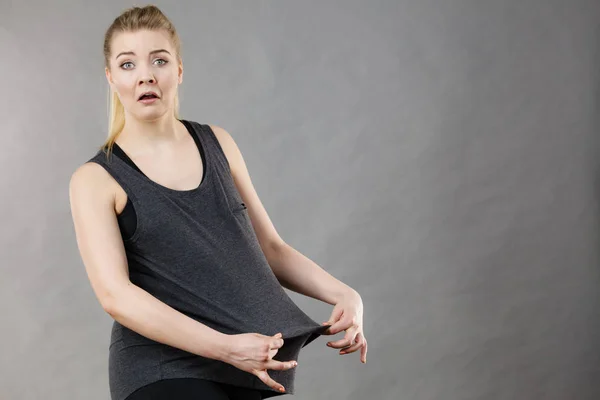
179 249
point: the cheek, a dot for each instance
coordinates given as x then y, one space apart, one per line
124 88
169 77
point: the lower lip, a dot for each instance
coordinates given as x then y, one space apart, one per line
148 101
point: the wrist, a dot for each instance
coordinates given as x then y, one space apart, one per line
348 292
222 347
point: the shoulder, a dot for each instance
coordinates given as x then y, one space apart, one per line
91 180
229 146
224 137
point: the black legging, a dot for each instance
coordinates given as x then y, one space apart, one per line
193 389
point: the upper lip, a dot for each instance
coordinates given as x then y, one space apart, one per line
148 92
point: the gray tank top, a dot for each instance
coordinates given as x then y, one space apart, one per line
196 250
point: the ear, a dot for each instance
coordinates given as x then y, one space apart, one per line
180 73
108 77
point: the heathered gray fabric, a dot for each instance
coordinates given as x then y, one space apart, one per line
196 251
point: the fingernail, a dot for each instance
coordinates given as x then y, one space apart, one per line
282 389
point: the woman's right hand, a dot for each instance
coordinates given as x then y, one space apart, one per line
254 352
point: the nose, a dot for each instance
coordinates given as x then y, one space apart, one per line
146 76
147 80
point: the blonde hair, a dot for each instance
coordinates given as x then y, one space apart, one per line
133 19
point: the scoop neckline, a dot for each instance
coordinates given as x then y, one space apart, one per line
200 146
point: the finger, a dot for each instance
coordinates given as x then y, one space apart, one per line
341 325
276 343
264 376
272 353
280 365
347 340
338 327
355 346
363 352
360 337
327 331
335 315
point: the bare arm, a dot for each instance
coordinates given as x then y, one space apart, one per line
92 198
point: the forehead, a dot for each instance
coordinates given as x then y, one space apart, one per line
140 42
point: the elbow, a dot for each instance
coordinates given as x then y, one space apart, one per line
273 249
109 307
111 302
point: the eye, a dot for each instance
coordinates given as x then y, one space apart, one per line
158 59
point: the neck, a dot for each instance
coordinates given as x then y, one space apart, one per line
150 134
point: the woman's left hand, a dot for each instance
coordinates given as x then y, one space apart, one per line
348 315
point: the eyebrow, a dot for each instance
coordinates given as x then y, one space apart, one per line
132 53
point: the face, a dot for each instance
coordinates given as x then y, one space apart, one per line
149 64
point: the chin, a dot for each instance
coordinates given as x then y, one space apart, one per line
151 114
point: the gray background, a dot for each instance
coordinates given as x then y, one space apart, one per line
439 156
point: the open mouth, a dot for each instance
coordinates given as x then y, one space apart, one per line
148 96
